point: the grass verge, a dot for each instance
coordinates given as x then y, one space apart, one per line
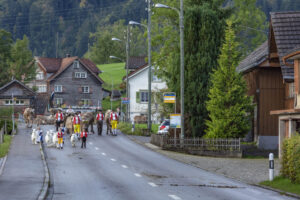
126 128
4 148
283 184
112 74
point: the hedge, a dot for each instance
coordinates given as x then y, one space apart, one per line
291 159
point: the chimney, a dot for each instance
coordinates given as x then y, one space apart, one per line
68 55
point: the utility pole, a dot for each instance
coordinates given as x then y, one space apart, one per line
150 66
56 44
13 114
181 68
127 69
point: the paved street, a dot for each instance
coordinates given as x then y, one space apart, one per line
117 168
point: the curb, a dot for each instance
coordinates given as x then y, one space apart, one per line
2 165
44 191
279 191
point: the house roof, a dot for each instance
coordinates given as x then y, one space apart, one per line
286 27
18 82
141 68
254 59
135 62
53 65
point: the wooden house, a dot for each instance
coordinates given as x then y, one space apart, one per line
271 81
18 95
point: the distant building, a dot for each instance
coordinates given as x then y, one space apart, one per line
135 62
16 94
74 81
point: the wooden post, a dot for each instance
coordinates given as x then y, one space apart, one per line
1 136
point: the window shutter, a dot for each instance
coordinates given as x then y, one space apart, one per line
90 89
80 89
153 97
138 98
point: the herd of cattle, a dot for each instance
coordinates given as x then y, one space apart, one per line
87 119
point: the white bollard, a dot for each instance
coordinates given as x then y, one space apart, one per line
271 167
132 129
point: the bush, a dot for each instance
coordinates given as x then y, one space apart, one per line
126 128
291 159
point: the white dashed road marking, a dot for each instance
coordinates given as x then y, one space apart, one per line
152 184
174 197
96 148
90 143
124 166
112 159
104 154
137 175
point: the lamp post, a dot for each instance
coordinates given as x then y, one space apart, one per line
148 27
127 68
181 25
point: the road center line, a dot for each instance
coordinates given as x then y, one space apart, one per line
96 148
104 154
137 175
173 196
152 184
90 143
112 159
124 166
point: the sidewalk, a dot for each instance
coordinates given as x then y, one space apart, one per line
251 171
23 173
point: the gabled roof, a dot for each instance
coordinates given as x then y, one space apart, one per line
255 58
53 65
18 82
138 70
286 27
135 62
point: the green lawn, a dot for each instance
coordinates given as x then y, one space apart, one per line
5 146
283 184
112 72
126 128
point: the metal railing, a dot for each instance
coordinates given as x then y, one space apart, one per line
204 144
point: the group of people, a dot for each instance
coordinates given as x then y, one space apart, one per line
59 117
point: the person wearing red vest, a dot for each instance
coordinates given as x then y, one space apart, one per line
59 117
99 118
76 124
114 122
83 136
60 136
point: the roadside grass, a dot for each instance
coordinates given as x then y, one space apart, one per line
112 72
283 184
126 128
4 148
254 157
106 104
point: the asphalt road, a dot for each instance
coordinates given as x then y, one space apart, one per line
114 167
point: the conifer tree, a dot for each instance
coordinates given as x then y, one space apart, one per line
228 104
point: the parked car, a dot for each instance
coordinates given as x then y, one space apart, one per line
164 127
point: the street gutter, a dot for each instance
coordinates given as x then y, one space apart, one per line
44 190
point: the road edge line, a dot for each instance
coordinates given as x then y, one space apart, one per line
2 165
46 183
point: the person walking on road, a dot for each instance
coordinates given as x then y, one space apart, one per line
60 136
83 136
99 118
40 134
76 124
59 119
114 122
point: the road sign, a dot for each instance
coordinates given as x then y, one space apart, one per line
175 121
169 97
125 100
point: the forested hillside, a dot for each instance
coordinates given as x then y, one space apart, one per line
71 21
66 24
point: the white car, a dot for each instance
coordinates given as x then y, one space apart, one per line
164 127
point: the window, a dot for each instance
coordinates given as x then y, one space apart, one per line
58 88
41 88
76 64
8 102
40 76
85 102
58 101
291 90
144 96
80 75
17 102
85 89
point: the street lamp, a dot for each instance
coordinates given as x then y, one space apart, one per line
149 61
181 25
127 68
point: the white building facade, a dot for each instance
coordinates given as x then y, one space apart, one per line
138 93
